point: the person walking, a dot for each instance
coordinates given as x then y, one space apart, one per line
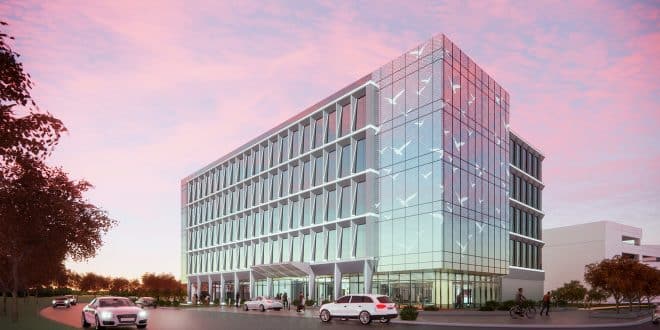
238 298
546 304
285 302
301 302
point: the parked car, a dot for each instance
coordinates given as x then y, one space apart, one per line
133 298
113 312
262 304
364 307
147 302
61 301
656 315
72 299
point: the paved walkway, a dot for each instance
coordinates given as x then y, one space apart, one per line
469 318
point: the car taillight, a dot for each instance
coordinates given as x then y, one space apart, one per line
381 306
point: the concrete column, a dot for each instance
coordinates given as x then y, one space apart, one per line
311 286
269 286
236 287
189 290
222 289
198 289
337 279
251 285
368 276
210 287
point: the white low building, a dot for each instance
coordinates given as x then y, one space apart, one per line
569 249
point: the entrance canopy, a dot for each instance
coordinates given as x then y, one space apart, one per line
285 269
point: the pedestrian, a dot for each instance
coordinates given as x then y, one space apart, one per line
238 298
301 302
546 304
285 301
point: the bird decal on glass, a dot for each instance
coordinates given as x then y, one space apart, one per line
438 150
405 202
386 171
458 144
418 52
426 176
394 176
472 98
381 151
454 86
449 208
419 91
426 80
497 100
460 199
399 151
462 246
392 100
480 227
419 123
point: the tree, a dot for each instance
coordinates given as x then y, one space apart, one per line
571 292
596 295
43 214
119 286
649 279
614 276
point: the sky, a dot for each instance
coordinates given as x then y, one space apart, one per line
151 91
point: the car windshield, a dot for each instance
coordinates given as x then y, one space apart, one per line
115 302
384 300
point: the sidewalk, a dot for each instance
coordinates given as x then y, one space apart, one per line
471 318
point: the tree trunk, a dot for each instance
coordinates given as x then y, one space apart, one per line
4 302
14 271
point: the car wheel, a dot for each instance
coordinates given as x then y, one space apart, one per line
262 308
385 320
277 309
245 307
365 317
656 321
84 322
141 326
325 316
68 306
98 325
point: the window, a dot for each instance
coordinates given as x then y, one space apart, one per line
360 198
345 166
360 241
361 113
318 171
360 156
332 126
332 244
295 180
295 146
345 243
319 255
331 174
318 133
345 206
306 139
344 300
345 119
331 214
318 208
284 156
357 299
306 175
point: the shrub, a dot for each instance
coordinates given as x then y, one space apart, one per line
431 308
506 305
309 302
408 313
325 301
176 303
528 303
295 302
216 301
490 305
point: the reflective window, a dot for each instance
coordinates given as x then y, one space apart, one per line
295 143
332 244
332 166
318 133
332 126
319 251
361 113
306 139
306 175
345 165
345 243
285 149
332 206
318 171
345 119
360 154
360 198
360 242
345 206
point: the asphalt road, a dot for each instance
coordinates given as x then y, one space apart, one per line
208 318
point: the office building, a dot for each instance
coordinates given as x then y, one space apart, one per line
398 184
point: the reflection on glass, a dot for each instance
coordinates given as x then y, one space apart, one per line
332 126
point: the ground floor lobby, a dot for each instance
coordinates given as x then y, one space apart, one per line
445 289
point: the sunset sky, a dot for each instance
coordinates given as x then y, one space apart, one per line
151 91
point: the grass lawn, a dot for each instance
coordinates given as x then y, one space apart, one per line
28 315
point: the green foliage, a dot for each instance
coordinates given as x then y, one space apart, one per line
295 302
216 301
506 305
325 301
309 302
490 305
176 303
408 313
431 308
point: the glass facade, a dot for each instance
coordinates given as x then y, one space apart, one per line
397 184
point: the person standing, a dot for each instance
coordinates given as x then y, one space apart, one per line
285 301
238 298
301 302
546 304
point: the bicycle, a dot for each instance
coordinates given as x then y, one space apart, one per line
527 311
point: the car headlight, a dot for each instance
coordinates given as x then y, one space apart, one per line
54 302
106 315
66 301
142 314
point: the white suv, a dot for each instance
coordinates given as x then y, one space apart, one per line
364 307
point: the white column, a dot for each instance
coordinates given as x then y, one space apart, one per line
368 276
236 287
251 286
189 290
269 287
211 289
337 282
198 289
222 288
311 286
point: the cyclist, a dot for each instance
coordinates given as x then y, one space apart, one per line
520 299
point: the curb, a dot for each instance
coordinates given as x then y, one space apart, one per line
535 326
